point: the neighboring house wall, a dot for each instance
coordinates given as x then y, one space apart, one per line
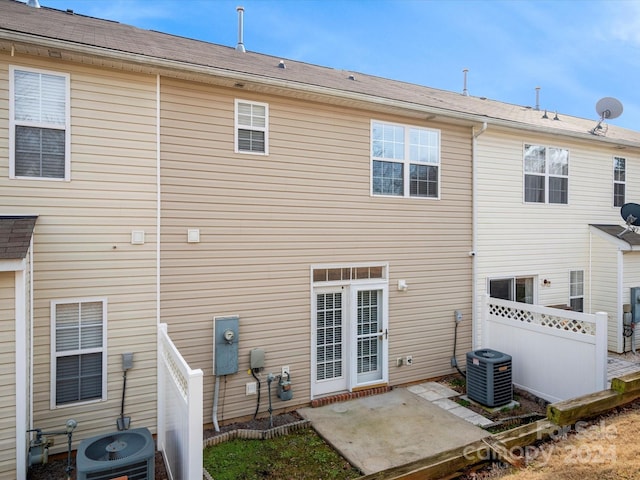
604 292
7 375
82 243
543 241
631 278
264 220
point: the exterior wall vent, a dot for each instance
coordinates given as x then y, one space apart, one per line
489 377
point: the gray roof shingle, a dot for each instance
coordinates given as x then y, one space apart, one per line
15 236
145 46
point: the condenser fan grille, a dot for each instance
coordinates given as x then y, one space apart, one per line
130 454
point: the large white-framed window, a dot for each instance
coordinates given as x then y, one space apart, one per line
251 127
405 160
619 181
39 124
546 174
79 351
516 289
576 290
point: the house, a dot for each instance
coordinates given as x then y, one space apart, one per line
547 215
167 180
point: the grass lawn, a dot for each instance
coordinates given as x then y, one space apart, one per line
299 455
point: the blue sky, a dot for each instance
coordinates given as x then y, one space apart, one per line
577 51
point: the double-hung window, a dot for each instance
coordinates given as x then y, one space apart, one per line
39 124
252 127
576 290
546 174
405 160
78 360
619 181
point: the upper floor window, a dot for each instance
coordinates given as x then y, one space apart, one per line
576 290
619 181
405 160
78 362
546 174
252 127
515 289
39 124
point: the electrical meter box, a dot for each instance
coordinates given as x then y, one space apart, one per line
225 345
635 304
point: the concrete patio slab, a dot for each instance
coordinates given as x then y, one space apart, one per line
391 429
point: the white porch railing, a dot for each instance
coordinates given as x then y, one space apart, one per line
179 411
556 354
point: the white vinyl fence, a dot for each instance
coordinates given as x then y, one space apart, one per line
179 411
556 354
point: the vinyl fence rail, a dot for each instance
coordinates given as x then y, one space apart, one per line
556 354
179 411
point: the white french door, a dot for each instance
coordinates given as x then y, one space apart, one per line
349 337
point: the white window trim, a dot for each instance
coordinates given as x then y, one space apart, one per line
514 278
237 126
546 176
618 182
13 123
54 355
406 161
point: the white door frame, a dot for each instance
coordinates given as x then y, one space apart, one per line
349 290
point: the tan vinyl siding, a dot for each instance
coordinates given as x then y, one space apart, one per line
264 220
546 241
7 376
82 239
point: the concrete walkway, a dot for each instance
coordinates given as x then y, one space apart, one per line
391 429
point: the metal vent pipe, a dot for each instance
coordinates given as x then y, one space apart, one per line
465 92
537 98
240 46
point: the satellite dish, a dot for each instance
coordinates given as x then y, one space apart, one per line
630 213
607 108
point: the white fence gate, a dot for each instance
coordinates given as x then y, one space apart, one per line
556 354
179 411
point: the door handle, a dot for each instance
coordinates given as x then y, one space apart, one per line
384 333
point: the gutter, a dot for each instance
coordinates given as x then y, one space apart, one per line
475 330
167 66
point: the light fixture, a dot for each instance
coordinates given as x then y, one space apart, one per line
402 285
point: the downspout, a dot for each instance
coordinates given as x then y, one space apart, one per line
31 333
620 284
590 272
160 421
474 235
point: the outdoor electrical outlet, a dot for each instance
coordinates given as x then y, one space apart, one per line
409 360
251 388
399 362
285 371
454 362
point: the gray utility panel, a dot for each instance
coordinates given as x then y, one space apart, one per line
225 345
635 304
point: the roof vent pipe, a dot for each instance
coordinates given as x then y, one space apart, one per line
240 46
33 3
465 92
537 98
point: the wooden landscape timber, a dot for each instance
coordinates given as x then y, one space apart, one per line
501 446
624 389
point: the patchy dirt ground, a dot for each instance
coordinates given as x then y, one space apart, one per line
605 448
